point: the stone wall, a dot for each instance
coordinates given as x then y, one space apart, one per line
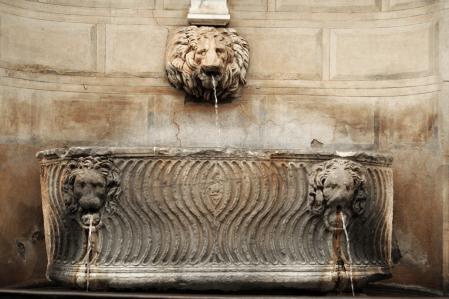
365 74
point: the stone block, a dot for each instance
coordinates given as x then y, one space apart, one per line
142 4
406 4
135 49
443 27
22 247
382 53
16 115
326 5
294 122
443 190
42 45
177 4
175 123
94 119
249 5
417 216
284 53
443 117
407 120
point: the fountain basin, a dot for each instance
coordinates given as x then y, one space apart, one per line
215 219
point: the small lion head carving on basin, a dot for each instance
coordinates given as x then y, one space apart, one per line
199 57
90 186
337 185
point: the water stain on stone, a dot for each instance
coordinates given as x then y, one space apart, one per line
37 236
21 250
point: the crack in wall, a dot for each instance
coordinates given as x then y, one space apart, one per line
178 127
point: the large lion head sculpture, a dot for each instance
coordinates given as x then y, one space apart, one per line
90 185
199 57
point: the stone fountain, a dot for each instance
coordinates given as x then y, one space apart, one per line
203 219
122 218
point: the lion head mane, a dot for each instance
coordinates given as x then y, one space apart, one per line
199 57
90 185
337 182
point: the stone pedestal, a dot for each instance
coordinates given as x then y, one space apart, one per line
208 12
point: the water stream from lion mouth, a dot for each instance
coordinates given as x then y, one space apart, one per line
349 253
214 85
88 251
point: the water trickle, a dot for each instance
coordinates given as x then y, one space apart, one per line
214 85
89 251
349 253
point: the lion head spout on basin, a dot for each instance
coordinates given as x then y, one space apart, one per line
337 185
198 55
90 185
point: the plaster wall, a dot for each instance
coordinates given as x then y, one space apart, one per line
340 74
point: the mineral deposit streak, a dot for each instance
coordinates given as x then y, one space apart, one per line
214 85
88 252
349 253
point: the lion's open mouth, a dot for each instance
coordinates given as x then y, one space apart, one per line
207 82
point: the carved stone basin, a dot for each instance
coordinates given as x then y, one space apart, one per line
205 219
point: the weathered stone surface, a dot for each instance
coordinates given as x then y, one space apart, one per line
22 247
409 121
46 44
135 49
176 4
393 52
303 121
208 62
16 111
404 4
325 5
204 219
283 46
101 3
173 122
74 118
417 223
248 5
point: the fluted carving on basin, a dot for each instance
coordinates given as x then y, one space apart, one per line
214 213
